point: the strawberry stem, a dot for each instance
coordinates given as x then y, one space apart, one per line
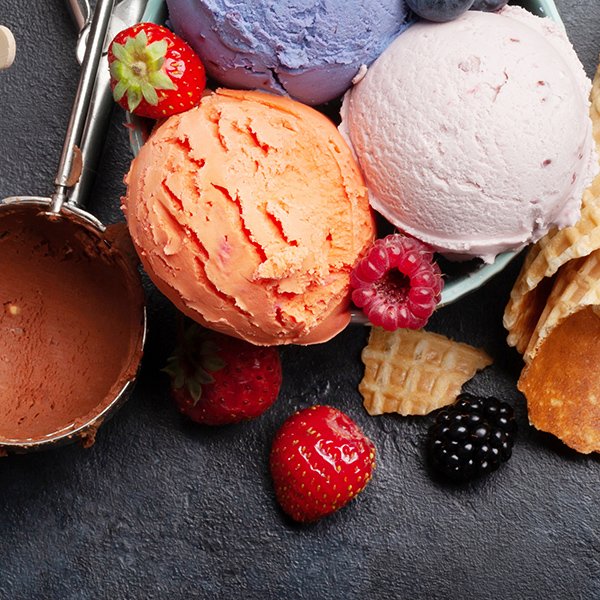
139 69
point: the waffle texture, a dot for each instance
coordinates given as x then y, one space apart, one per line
560 380
415 372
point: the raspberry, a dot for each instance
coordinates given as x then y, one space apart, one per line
471 438
397 284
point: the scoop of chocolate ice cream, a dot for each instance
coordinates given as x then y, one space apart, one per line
71 325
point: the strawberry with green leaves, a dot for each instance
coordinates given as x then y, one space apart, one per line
217 379
154 73
320 460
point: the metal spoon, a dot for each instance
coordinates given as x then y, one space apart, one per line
89 237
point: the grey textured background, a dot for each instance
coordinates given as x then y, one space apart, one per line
160 508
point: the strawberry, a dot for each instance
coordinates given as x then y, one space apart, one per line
154 73
320 460
217 379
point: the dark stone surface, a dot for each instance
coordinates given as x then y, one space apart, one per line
159 508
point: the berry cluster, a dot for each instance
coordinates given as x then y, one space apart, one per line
472 437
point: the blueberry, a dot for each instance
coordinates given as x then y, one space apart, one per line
439 10
489 5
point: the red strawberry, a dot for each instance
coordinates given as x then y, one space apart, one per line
154 73
217 379
320 460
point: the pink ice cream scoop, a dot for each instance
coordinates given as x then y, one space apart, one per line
474 135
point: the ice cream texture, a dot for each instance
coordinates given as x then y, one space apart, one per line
70 327
309 49
249 212
474 135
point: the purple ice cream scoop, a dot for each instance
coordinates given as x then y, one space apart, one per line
309 49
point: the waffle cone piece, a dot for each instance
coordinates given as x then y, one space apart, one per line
415 372
544 259
576 287
561 380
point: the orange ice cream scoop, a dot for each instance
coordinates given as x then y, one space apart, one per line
249 212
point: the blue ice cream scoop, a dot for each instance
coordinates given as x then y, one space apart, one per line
309 49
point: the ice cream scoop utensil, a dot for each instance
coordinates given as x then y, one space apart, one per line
64 236
67 174
81 12
125 14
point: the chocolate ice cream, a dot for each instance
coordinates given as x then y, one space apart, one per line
70 334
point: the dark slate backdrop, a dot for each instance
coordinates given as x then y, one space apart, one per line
160 508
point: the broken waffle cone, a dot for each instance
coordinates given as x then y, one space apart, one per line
415 372
527 300
576 286
530 292
562 384
561 380
533 285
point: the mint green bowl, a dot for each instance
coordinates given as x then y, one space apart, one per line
457 286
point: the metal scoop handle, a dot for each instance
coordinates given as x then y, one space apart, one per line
125 14
67 173
80 11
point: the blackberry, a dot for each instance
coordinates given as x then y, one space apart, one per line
472 437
